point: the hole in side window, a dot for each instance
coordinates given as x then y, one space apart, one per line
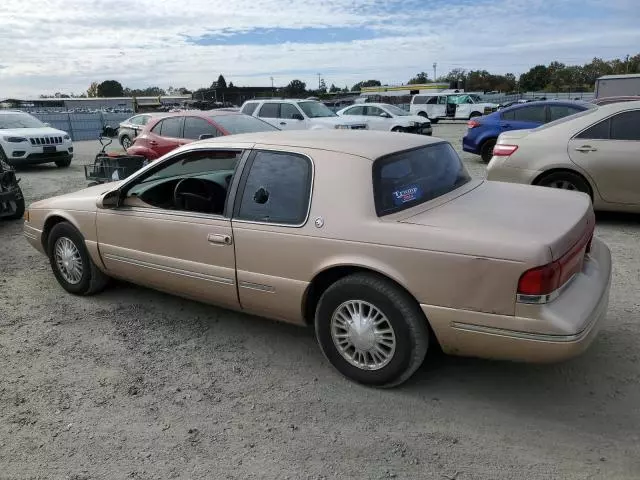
277 189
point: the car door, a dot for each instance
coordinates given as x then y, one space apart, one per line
525 117
151 241
437 107
291 118
270 212
356 113
374 118
270 113
166 135
197 127
609 151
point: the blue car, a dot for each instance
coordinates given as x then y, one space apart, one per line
483 131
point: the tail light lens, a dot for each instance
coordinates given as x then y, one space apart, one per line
473 124
504 150
541 284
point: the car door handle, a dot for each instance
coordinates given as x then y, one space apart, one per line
586 149
219 239
283 123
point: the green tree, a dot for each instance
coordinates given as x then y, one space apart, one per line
92 91
221 83
418 79
333 89
323 86
296 87
110 88
367 83
535 79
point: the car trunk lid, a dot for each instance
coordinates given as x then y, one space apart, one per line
540 216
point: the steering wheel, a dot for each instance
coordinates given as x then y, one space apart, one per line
196 194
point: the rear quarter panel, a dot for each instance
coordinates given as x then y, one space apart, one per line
437 267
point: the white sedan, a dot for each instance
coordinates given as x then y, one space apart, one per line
382 116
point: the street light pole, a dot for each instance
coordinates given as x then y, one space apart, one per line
435 65
272 90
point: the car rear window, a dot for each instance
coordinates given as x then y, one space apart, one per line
242 124
406 179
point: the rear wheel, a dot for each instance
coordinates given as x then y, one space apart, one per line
371 330
474 114
397 129
486 151
71 263
126 142
566 181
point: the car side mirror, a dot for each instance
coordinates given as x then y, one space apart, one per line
297 116
109 200
204 136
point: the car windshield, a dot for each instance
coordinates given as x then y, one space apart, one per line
242 124
404 180
19 120
316 110
398 112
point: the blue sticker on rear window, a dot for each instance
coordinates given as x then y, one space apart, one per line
407 194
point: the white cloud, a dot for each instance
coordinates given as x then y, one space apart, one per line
63 45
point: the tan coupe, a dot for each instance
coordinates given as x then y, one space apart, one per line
380 240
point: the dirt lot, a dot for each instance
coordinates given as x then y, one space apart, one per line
137 384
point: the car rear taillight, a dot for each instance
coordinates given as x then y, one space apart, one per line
473 124
504 150
542 284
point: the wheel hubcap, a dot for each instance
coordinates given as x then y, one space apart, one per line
68 260
563 184
126 143
363 335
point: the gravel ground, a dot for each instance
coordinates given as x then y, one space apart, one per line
138 384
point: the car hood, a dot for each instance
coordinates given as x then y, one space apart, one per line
501 215
32 132
83 200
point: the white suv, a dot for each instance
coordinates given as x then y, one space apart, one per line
298 115
25 140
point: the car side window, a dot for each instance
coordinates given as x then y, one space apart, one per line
269 110
535 113
194 127
172 127
508 115
626 126
359 110
249 108
432 101
196 181
556 112
418 100
136 120
157 128
144 119
288 111
277 189
599 131
442 100
374 111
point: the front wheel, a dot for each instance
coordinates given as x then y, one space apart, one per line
63 163
398 129
371 330
71 263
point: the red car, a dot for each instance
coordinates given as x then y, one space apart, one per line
163 133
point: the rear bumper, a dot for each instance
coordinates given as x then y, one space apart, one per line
470 146
498 171
548 333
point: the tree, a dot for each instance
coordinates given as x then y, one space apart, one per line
92 91
231 85
221 83
535 79
110 88
296 87
323 86
333 89
367 83
419 78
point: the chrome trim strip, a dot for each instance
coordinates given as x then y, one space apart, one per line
542 299
539 337
176 271
30 235
257 286
174 213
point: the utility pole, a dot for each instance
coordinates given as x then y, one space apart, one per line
627 62
435 65
272 89
319 75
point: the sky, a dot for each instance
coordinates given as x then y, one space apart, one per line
49 46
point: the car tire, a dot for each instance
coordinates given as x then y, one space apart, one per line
474 114
565 180
486 150
71 262
63 163
400 345
125 141
397 129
